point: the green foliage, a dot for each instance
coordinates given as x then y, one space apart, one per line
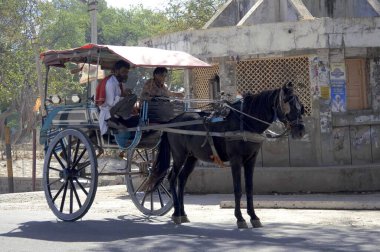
190 14
29 27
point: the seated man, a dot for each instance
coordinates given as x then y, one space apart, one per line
117 101
156 86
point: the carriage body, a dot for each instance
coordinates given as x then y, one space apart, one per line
73 143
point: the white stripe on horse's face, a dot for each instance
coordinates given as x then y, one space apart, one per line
285 106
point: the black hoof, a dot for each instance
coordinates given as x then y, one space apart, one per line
184 219
256 223
177 220
242 224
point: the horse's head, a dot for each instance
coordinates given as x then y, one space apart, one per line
291 111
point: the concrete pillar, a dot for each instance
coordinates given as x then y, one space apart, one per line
283 10
273 11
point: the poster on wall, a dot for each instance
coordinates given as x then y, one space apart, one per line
338 87
319 78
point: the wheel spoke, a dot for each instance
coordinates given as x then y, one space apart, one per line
166 191
79 158
69 151
160 197
76 194
59 192
63 149
55 181
76 151
146 179
151 202
63 197
81 187
83 165
54 169
71 197
143 199
58 159
139 154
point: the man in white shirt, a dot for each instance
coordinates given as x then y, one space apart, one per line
114 93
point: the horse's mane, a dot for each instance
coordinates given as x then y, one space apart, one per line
261 106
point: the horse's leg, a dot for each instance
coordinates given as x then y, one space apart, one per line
177 164
236 176
248 175
182 179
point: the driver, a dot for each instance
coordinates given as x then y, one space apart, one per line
156 86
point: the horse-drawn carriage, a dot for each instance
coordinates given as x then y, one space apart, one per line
73 141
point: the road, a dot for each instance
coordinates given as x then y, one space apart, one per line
114 224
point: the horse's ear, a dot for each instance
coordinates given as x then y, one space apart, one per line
289 85
288 88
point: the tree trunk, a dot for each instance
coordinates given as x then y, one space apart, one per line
3 117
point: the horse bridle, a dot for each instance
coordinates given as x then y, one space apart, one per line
280 106
284 108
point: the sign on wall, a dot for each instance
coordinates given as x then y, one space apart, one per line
319 78
338 87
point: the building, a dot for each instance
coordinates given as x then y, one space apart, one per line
330 49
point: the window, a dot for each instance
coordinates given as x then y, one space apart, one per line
356 85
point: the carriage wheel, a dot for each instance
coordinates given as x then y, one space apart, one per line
70 175
139 166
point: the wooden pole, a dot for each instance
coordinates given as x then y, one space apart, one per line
34 161
8 151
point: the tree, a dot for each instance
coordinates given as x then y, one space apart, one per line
29 27
191 14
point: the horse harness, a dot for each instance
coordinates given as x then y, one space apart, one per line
238 135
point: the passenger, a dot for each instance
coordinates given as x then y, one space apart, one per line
156 86
114 92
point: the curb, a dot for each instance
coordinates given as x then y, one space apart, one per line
323 205
364 201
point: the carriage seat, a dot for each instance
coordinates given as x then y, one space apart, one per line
120 123
162 111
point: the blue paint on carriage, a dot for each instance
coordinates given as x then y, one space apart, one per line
48 119
122 138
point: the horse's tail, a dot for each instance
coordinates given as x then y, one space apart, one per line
161 164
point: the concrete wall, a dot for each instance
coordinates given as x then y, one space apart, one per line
266 180
290 180
230 13
273 39
26 185
251 12
331 139
340 8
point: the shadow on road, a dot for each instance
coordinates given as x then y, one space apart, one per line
160 234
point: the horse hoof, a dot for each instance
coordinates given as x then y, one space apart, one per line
184 219
256 223
242 224
176 220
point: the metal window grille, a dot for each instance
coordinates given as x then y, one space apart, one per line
201 83
263 74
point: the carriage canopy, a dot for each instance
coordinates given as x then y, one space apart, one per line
107 55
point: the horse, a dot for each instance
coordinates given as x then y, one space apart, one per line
251 115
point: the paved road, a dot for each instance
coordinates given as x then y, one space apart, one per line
114 224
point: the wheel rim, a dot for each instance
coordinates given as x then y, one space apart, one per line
158 202
70 175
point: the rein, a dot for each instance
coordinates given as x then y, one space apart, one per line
272 134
